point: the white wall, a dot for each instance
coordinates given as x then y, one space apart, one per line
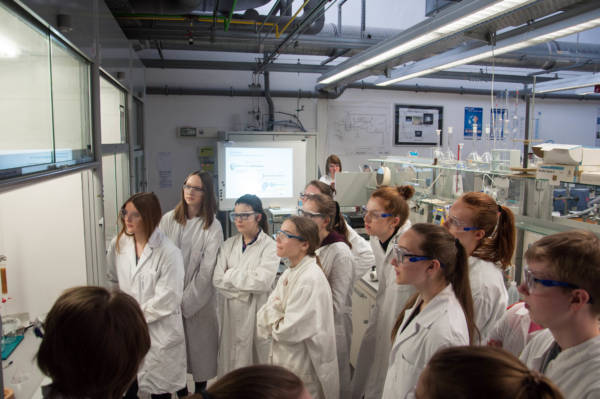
565 121
164 114
42 234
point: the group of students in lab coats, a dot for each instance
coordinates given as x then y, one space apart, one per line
211 307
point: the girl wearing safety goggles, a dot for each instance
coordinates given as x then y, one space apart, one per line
245 271
487 231
439 314
194 229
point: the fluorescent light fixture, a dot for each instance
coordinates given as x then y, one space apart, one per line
569 84
459 56
8 49
491 11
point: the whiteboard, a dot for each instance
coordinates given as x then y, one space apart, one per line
273 171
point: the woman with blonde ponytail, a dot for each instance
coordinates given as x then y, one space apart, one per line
487 231
386 219
298 316
439 315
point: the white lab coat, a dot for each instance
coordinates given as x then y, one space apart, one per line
327 179
156 282
364 259
298 316
244 280
441 324
373 355
199 248
489 295
513 330
576 370
338 265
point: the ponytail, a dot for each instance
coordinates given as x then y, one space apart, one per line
318 261
535 386
505 237
331 209
498 223
339 224
263 222
409 304
406 191
462 289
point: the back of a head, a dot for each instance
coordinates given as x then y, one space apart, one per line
574 257
483 372
258 382
94 341
324 188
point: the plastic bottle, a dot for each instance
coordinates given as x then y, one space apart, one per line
513 293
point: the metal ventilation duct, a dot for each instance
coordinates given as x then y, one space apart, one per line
190 6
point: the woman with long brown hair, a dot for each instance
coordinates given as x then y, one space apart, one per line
193 228
145 264
487 231
439 314
298 316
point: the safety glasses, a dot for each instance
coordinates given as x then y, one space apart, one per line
240 216
282 233
403 256
311 215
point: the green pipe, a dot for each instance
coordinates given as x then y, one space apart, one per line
228 20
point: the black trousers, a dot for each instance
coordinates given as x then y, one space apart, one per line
133 391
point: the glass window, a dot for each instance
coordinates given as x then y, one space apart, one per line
25 98
115 176
71 106
137 127
112 113
45 117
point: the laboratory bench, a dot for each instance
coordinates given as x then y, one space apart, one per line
20 370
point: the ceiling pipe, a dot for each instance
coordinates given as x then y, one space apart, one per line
231 92
339 25
269 99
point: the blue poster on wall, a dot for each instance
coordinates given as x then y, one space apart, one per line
499 120
473 119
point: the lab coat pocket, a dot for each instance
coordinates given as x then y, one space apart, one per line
146 285
167 332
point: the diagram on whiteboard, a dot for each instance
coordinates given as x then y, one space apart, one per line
357 132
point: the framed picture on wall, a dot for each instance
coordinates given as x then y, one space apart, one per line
417 124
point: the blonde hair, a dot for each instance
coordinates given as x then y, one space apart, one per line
498 223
